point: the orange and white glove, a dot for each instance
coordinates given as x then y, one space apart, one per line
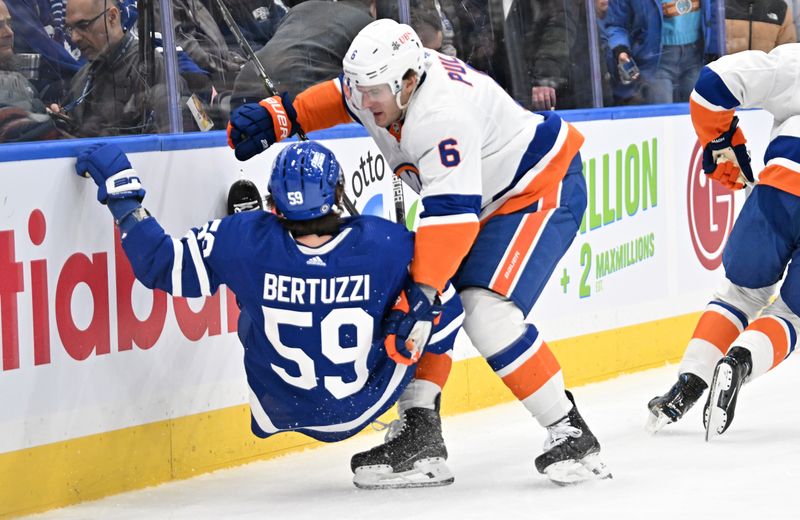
407 329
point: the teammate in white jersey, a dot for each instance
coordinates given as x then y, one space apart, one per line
503 195
314 291
741 335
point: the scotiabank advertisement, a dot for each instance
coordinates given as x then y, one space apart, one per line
87 349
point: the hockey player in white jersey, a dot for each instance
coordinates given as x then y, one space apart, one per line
503 195
314 290
741 335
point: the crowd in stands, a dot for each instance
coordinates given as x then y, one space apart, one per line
86 68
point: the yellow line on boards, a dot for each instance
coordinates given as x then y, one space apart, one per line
91 467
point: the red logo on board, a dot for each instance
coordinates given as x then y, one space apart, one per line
710 208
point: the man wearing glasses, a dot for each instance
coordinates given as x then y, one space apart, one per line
113 94
22 113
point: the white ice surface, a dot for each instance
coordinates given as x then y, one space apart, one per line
750 472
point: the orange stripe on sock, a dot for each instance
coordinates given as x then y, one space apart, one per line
716 329
512 262
533 374
434 368
774 330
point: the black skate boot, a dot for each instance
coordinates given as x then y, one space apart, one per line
243 195
671 406
571 451
413 455
729 376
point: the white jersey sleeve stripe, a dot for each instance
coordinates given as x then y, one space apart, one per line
442 334
199 266
439 220
703 102
786 163
177 267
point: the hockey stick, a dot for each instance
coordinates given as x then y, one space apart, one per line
399 200
251 56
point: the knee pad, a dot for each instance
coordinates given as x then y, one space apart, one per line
749 301
492 322
781 310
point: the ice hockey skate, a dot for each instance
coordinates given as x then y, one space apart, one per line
729 376
413 455
571 451
670 407
243 195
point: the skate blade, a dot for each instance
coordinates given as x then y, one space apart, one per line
716 417
656 421
425 473
570 472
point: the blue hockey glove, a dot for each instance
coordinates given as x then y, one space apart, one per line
730 147
254 127
118 186
407 328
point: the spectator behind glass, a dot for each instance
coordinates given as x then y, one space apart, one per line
204 60
112 94
22 114
39 30
669 42
307 48
257 19
467 32
197 33
761 26
541 35
428 26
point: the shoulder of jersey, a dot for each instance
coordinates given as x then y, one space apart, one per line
377 229
249 219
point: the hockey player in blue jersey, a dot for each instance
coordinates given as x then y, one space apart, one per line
503 198
314 290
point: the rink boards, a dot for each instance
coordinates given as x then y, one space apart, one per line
107 386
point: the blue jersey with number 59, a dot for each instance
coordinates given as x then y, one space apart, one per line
311 317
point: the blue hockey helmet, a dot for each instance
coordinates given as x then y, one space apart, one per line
304 180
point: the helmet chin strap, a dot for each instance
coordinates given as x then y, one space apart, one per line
400 104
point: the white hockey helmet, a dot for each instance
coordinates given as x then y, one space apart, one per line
382 53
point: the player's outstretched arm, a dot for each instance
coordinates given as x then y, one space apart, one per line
254 127
179 267
118 185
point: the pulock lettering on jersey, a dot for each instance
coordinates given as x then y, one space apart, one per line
456 70
91 333
339 289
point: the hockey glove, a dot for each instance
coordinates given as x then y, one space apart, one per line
254 127
408 326
727 160
118 186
